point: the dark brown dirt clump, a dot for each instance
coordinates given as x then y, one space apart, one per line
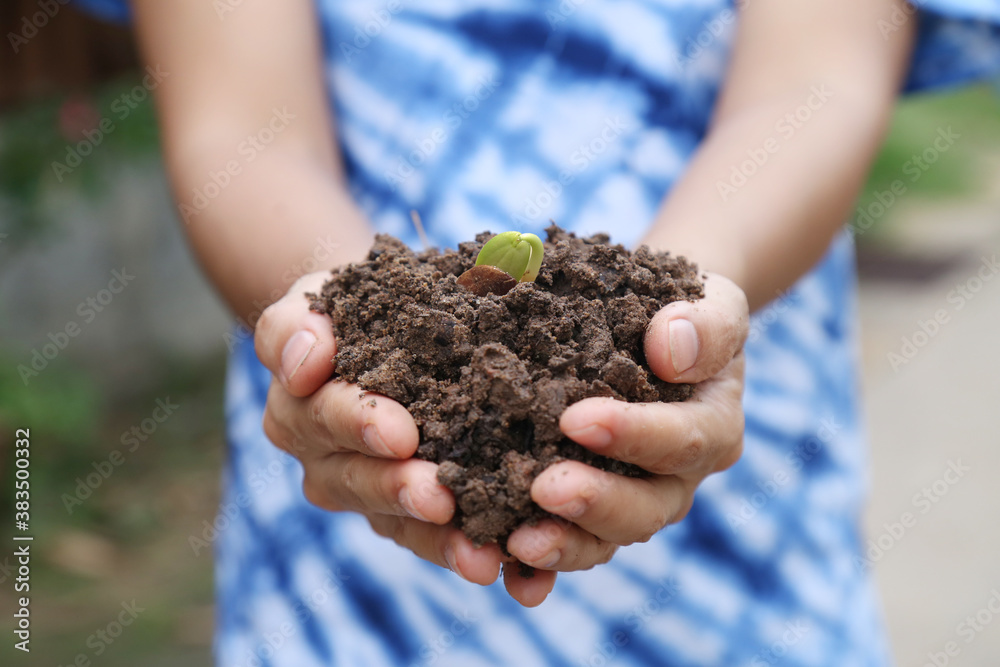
486 378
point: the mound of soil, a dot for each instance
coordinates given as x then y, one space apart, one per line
486 378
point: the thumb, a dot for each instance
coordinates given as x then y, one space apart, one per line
295 343
692 341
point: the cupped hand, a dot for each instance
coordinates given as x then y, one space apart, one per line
679 443
356 447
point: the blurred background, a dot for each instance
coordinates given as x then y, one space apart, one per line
112 351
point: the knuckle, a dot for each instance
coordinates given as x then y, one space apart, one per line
263 338
655 524
731 456
352 479
390 527
317 411
278 434
590 493
379 526
330 415
315 492
644 536
684 509
271 428
605 552
399 533
693 450
683 456
266 320
694 447
632 434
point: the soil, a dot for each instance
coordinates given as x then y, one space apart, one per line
487 377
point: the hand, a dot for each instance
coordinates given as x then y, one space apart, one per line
680 443
356 451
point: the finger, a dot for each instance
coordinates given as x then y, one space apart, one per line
443 545
621 510
339 417
560 546
530 591
295 343
698 436
378 486
691 341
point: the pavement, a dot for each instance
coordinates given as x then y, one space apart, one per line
932 396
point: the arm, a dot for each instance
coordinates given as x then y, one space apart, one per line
226 77
800 197
763 237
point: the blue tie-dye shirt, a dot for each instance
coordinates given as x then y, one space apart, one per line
489 114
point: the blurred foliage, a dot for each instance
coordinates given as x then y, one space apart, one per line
42 134
973 113
79 406
128 537
70 429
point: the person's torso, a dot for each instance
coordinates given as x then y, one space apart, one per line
502 115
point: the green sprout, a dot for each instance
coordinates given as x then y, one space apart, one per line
518 254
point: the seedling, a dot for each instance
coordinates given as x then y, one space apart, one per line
504 260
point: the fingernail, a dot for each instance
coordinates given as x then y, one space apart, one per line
449 557
683 344
296 352
592 434
374 441
407 504
570 510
